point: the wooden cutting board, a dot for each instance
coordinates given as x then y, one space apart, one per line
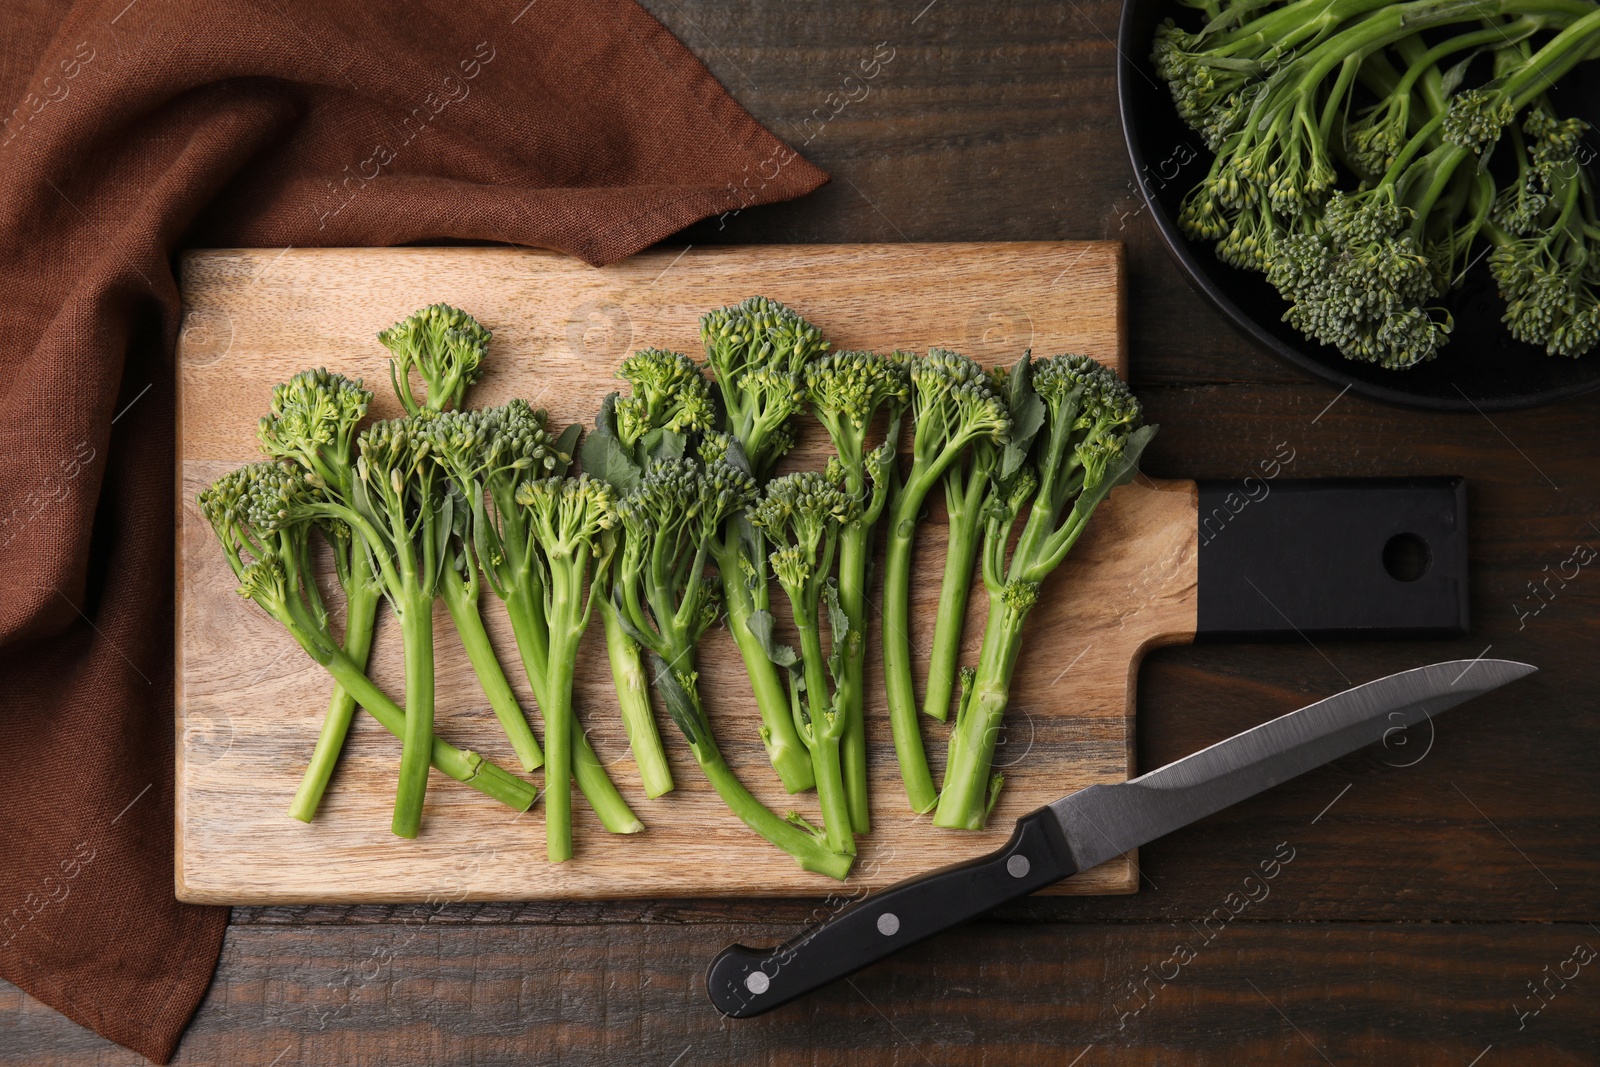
249 702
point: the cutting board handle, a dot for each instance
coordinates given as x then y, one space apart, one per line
1332 557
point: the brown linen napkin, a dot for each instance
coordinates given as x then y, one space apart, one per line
140 126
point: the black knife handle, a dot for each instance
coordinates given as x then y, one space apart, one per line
744 981
1332 557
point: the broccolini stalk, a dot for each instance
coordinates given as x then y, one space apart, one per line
460 589
566 517
670 400
952 407
802 515
966 488
260 515
847 390
631 682
488 454
740 553
362 594
312 422
1090 443
757 352
668 600
457 442
399 507
445 346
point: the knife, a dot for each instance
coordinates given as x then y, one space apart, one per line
1090 826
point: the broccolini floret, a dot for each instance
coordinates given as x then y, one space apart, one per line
1546 258
757 351
445 346
669 395
312 421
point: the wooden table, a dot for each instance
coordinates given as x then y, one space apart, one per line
1420 902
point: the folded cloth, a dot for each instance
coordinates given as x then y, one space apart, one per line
141 126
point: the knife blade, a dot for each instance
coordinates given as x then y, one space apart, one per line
1092 825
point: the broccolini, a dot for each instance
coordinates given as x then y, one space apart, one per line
952 408
667 599
262 515
847 392
757 352
1090 443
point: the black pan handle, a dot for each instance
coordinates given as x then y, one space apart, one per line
744 981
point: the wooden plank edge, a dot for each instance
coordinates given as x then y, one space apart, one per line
1126 876
1119 261
180 885
1181 637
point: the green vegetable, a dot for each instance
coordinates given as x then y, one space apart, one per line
847 391
399 508
1295 98
1546 240
802 514
1090 443
566 517
262 514
966 487
444 346
757 352
488 455
670 400
667 600
312 422
953 407
473 448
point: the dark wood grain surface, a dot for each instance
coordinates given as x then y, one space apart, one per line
1430 910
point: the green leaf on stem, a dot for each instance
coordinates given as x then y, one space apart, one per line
761 624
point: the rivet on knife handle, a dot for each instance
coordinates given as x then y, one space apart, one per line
745 981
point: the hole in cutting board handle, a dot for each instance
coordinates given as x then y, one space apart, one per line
1406 557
